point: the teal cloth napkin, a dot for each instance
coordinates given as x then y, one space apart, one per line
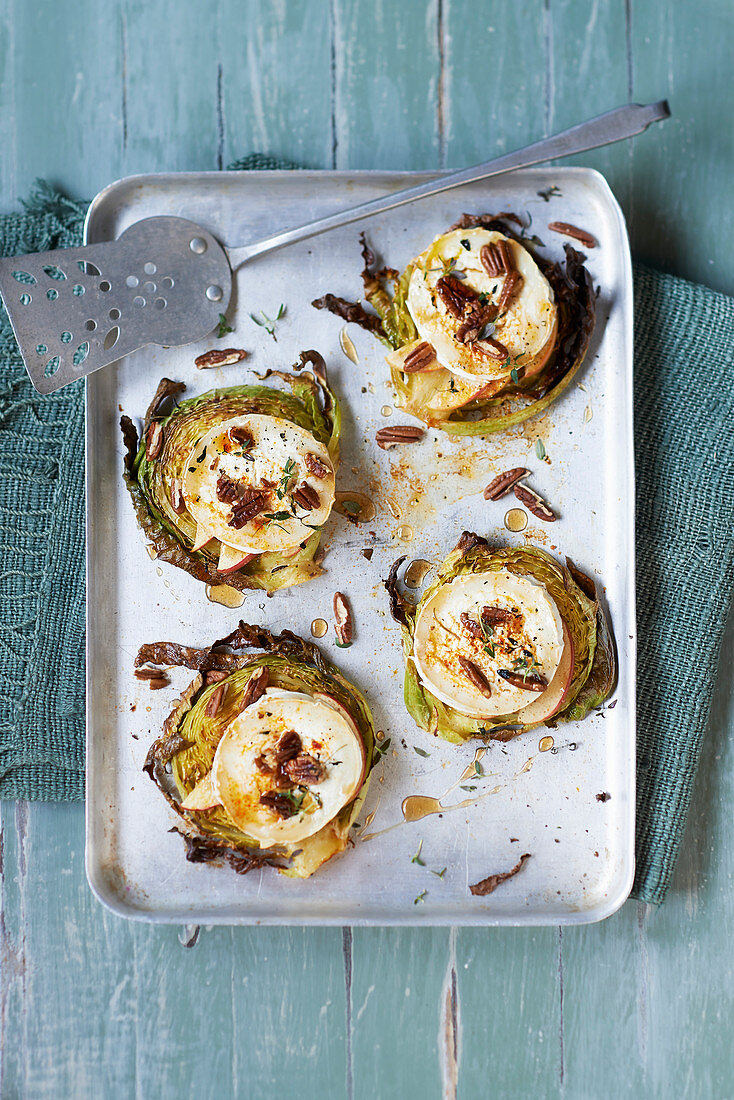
684 335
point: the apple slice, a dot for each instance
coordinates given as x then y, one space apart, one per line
203 796
231 559
550 702
203 536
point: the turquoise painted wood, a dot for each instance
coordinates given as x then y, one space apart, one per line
640 1006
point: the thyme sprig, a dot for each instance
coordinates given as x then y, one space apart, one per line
268 323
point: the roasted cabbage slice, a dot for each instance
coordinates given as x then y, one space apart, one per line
160 471
201 763
522 377
545 640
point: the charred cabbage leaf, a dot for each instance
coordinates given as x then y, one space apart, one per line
310 404
595 664
184 752
386 290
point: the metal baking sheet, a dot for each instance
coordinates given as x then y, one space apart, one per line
582 848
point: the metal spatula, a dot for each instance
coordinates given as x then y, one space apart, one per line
166 280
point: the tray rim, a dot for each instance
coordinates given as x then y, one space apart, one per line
99 886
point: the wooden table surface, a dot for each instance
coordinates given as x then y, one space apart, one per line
638 1006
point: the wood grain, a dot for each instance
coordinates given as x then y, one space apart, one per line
639 1006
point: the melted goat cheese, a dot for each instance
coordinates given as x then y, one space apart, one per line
527 328
275 463
531 643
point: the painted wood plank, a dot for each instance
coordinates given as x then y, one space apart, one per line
290 1012
169 88
588 48
398 1011
604 1007
386 81
68 1003
509 997
276 92
494 78
94 1005
8 119
60 95
681 217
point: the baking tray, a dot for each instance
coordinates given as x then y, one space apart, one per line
582 848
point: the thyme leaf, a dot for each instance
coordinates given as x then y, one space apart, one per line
268 323
223 328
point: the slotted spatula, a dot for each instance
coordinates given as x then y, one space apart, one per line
165 280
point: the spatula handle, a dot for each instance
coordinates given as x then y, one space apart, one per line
616 125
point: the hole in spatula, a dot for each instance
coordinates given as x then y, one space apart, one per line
111 338
81 354
52 366
54 272
88 268
24 277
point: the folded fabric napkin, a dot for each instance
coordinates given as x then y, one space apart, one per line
685 545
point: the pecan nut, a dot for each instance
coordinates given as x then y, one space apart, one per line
526 683
153 440
247 508
241 435
475 674
456 297
505 252
158 682
490 260
305 770
278 802
569 230
228 491
510 287
400 433
503 483
220 357
177 498
315 466
255 689
497 616
306 497
214 701
471 625
534 503
493 349
419 358
468 331
343 622
288 747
